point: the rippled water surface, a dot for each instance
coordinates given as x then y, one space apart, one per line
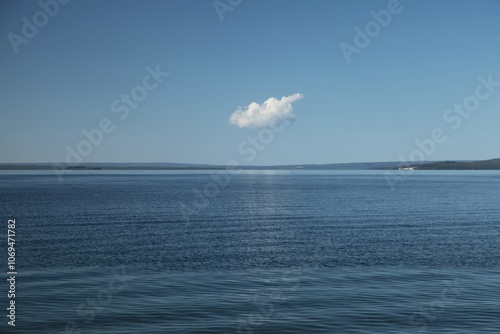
255 252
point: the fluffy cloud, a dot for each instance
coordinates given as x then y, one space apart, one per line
266 114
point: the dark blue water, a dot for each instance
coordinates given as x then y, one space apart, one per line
258 252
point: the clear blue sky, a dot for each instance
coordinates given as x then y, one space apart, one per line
394 91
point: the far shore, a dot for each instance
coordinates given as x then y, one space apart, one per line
492 164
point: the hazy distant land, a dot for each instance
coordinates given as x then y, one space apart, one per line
493 164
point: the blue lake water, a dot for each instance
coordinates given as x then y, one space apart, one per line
254 252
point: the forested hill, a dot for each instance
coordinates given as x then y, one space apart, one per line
493 164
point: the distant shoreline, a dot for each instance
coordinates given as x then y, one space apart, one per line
493 164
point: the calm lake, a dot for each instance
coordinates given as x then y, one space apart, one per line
254 252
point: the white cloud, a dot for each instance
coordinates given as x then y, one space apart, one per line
266 114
